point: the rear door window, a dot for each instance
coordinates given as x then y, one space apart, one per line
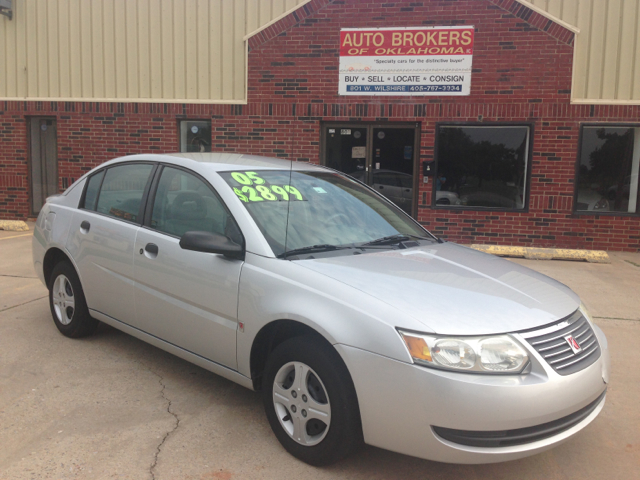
122 191
91 193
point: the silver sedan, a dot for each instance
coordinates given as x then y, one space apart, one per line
355 323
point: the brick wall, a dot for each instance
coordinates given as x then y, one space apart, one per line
14 197
522 73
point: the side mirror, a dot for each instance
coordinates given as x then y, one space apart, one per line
208 242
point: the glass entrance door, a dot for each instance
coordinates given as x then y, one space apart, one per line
346 150
382 156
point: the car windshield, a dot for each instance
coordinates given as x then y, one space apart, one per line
319 211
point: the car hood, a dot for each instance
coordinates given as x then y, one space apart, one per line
452 289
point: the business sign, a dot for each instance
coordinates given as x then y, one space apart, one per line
406 61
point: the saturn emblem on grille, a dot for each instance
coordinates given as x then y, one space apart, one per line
575 346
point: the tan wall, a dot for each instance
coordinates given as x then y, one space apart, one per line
194 50
607 51
131 50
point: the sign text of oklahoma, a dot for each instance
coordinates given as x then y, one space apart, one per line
406 42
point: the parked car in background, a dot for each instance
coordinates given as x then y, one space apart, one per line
354 322
398 187
444 197
621 191
592 200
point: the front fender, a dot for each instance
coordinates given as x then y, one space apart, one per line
274 289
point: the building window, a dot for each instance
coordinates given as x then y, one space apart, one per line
195 136
482 166
607 178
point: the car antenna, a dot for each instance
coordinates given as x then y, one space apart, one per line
288 190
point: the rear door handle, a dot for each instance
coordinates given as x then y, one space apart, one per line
151 248
85 226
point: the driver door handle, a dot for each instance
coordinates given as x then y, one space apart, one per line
151 248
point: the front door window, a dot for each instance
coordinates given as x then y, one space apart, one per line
184 203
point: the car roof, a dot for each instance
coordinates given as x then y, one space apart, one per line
222 161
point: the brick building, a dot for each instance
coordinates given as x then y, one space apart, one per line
517 161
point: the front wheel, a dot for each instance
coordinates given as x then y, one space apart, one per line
68 305
310 401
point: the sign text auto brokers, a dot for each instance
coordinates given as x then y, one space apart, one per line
406 61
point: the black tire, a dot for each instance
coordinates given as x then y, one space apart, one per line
73 322
344 433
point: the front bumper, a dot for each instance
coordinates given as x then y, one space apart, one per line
401 402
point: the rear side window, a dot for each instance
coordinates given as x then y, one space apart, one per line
122 191
91 194
184 203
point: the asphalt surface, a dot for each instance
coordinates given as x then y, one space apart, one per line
113 407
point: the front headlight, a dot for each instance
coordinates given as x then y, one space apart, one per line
488 354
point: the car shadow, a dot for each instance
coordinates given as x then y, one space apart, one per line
200 392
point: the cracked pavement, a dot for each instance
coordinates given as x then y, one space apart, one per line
175 427
113 407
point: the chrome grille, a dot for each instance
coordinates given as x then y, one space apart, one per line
551 343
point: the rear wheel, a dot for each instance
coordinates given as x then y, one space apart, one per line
68 305
310 401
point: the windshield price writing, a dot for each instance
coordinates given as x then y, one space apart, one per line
256 189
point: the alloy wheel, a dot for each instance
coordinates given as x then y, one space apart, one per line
63 299
301 403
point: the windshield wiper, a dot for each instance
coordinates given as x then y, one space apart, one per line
393 239
325 247
390 240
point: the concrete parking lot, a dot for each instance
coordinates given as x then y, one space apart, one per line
113 407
